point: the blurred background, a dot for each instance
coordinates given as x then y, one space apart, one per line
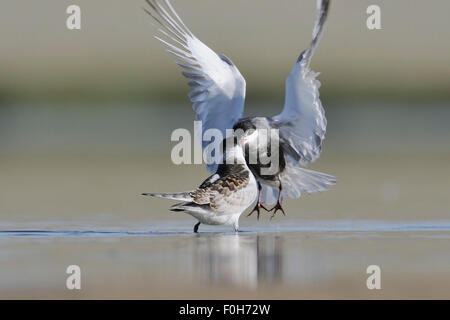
86 115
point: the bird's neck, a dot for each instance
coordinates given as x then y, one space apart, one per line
233 156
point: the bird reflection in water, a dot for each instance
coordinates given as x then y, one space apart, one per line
238 260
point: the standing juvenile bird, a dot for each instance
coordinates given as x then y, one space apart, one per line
218 98
221 198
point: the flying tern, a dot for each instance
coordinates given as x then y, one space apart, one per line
218 98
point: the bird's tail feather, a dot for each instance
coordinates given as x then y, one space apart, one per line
295 181
181 196
298 180
190 207
179 207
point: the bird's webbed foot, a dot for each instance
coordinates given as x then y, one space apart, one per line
258 208
276 208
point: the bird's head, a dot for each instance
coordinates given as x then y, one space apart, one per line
245 137
233 150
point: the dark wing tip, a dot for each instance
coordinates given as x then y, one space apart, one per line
225 59
302 55
317 32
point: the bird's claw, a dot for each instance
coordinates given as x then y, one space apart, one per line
276 208
257 208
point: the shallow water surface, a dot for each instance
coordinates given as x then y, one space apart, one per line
287 259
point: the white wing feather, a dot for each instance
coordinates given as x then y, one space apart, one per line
302 122
218 93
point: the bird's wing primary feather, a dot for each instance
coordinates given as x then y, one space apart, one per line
218 93
302 122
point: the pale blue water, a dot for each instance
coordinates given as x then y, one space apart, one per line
182 228
287 259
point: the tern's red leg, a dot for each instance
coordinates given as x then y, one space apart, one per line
278 205
259 204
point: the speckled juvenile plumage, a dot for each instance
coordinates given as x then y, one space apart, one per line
222 197
222 187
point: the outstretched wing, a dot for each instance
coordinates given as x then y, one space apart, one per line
218 87
302 122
